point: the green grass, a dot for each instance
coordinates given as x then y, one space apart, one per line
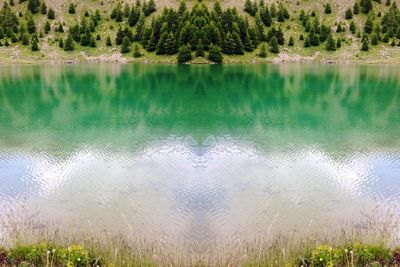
48 253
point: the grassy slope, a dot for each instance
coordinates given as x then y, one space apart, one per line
350 51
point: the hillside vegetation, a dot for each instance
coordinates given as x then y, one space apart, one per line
199 31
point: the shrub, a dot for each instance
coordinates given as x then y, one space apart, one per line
263 51
136 51
325 255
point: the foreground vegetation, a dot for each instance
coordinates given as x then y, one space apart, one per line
29 243
199 31
349 254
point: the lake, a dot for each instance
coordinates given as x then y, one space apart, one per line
201 154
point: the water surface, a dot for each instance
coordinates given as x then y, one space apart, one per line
200 153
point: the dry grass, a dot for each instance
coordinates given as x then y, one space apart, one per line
371 236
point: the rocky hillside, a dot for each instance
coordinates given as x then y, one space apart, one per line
199 32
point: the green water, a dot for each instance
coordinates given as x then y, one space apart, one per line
200 152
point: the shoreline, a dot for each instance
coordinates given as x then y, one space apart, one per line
7 58
273 61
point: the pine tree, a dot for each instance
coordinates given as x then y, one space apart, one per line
92 42
324 32
133 16
348 14
260 26
97 15
212 32
307 42
171 45
374 39
117 14
302 15
30 24
273 10
200 49
186 34
339 43
255 39
247 42
281 16
352 27
386 38
25 39
182 9
291 41
139 27
71 9
108 41
263 51
238 45
365 44
339 28
136 51
314 37
33 6
127 10
215 54
328 8
356 8
69 43
273 45
366 6
161 45
43 8
47 27
60 43
120 36
152 43
146 35
330 44
35 46
14 38
266 17
60 28
368 27
184 54
126 45
86 38
280 37
149 8
248 7
51 14
217 8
